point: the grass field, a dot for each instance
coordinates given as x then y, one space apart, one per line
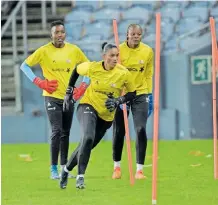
179 183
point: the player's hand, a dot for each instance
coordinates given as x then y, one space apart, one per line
112 103
150 104
78 92
49 86
68 104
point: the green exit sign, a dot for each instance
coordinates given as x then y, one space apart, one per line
201 69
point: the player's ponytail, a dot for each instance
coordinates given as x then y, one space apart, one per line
107 46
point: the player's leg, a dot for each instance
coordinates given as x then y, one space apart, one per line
64 141
54 111
140 114
72 162
87 118
118 141
100 130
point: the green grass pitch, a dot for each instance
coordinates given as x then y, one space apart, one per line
185 177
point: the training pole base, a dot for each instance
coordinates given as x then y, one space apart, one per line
154 202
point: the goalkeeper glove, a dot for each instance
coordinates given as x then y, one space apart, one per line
78 92
48 85
112 103
68 104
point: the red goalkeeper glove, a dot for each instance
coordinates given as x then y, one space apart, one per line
48 85
78 92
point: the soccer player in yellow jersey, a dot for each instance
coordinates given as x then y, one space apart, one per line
57 60
97 107
137 57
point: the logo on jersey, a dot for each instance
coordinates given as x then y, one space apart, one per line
132 69
61 70
49 104
113 85
68 70
141 61
141 69
68 61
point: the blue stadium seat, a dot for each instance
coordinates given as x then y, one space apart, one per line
189 43
123 25
92 37
99 27
175 4
137 13
173 13
188 24
214 12
213 3
199 4
74 29
171 4
116 4
122 38
94 46
150 40
167 29
150 5
200 12
167 19
106 14
69 39
171 45
78 15
87 5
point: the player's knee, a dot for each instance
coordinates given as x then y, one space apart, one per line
141 132
56 134
89 139
65 134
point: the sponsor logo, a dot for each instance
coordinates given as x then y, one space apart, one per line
52 108
141 69
141 62
132 69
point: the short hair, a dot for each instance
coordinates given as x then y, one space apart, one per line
57 23
107 46
132 26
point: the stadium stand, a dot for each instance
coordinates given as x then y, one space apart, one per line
88 23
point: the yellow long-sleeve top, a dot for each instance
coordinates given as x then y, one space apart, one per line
139 62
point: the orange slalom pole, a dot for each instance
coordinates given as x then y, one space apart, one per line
156 110
128 141
214 62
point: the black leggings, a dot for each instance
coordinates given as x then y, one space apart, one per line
60 126
139 108
93 130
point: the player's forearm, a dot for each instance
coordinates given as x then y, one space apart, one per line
73 78
86 80
27 71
